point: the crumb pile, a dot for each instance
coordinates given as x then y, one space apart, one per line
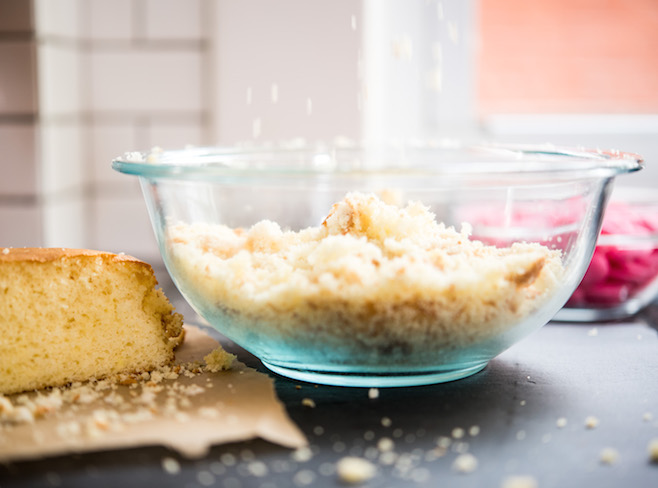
373 275
69 315
120 409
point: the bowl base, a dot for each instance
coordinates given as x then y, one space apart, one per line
380 380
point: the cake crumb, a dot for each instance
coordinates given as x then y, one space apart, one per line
561 422
609 456
386 422
519 481
591 422
373 393
465 463
385 444
653 450
457 433
355 470
308 402
218 360
474 430
302 454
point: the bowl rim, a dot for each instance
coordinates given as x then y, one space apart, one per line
451 158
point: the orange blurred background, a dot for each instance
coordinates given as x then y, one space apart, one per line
568 56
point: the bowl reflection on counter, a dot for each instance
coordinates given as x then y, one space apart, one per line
312 258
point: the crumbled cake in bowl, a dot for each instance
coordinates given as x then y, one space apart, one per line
354 266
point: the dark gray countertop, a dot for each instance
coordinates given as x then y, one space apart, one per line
569 371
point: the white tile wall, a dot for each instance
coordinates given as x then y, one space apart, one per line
176 135
173 19
21 225
121 224
58 18
16 75
61 155
17 160
108 141
109 20
64 222
60 79
145 80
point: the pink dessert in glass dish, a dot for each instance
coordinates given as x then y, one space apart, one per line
622 277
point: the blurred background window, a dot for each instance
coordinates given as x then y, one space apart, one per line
82 81
568 56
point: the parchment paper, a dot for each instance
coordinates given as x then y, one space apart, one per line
226 406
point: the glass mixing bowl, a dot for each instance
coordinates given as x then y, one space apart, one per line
377 266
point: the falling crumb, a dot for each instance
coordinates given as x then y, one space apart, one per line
402 48
249 95
373 393
609 456
647 417
274 92
520 435
522 403
170 465
465 463
519 481
561 422
256 128
353 22
386 422
5 251
653 450
591 422
309 106
355 470
308 402
474 431
593 332
453 32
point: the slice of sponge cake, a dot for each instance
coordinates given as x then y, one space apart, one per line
70 315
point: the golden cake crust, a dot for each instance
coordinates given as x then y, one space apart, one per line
49 254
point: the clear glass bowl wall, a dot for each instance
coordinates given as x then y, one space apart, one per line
507 196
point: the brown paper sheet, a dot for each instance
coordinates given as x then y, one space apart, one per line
210 409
